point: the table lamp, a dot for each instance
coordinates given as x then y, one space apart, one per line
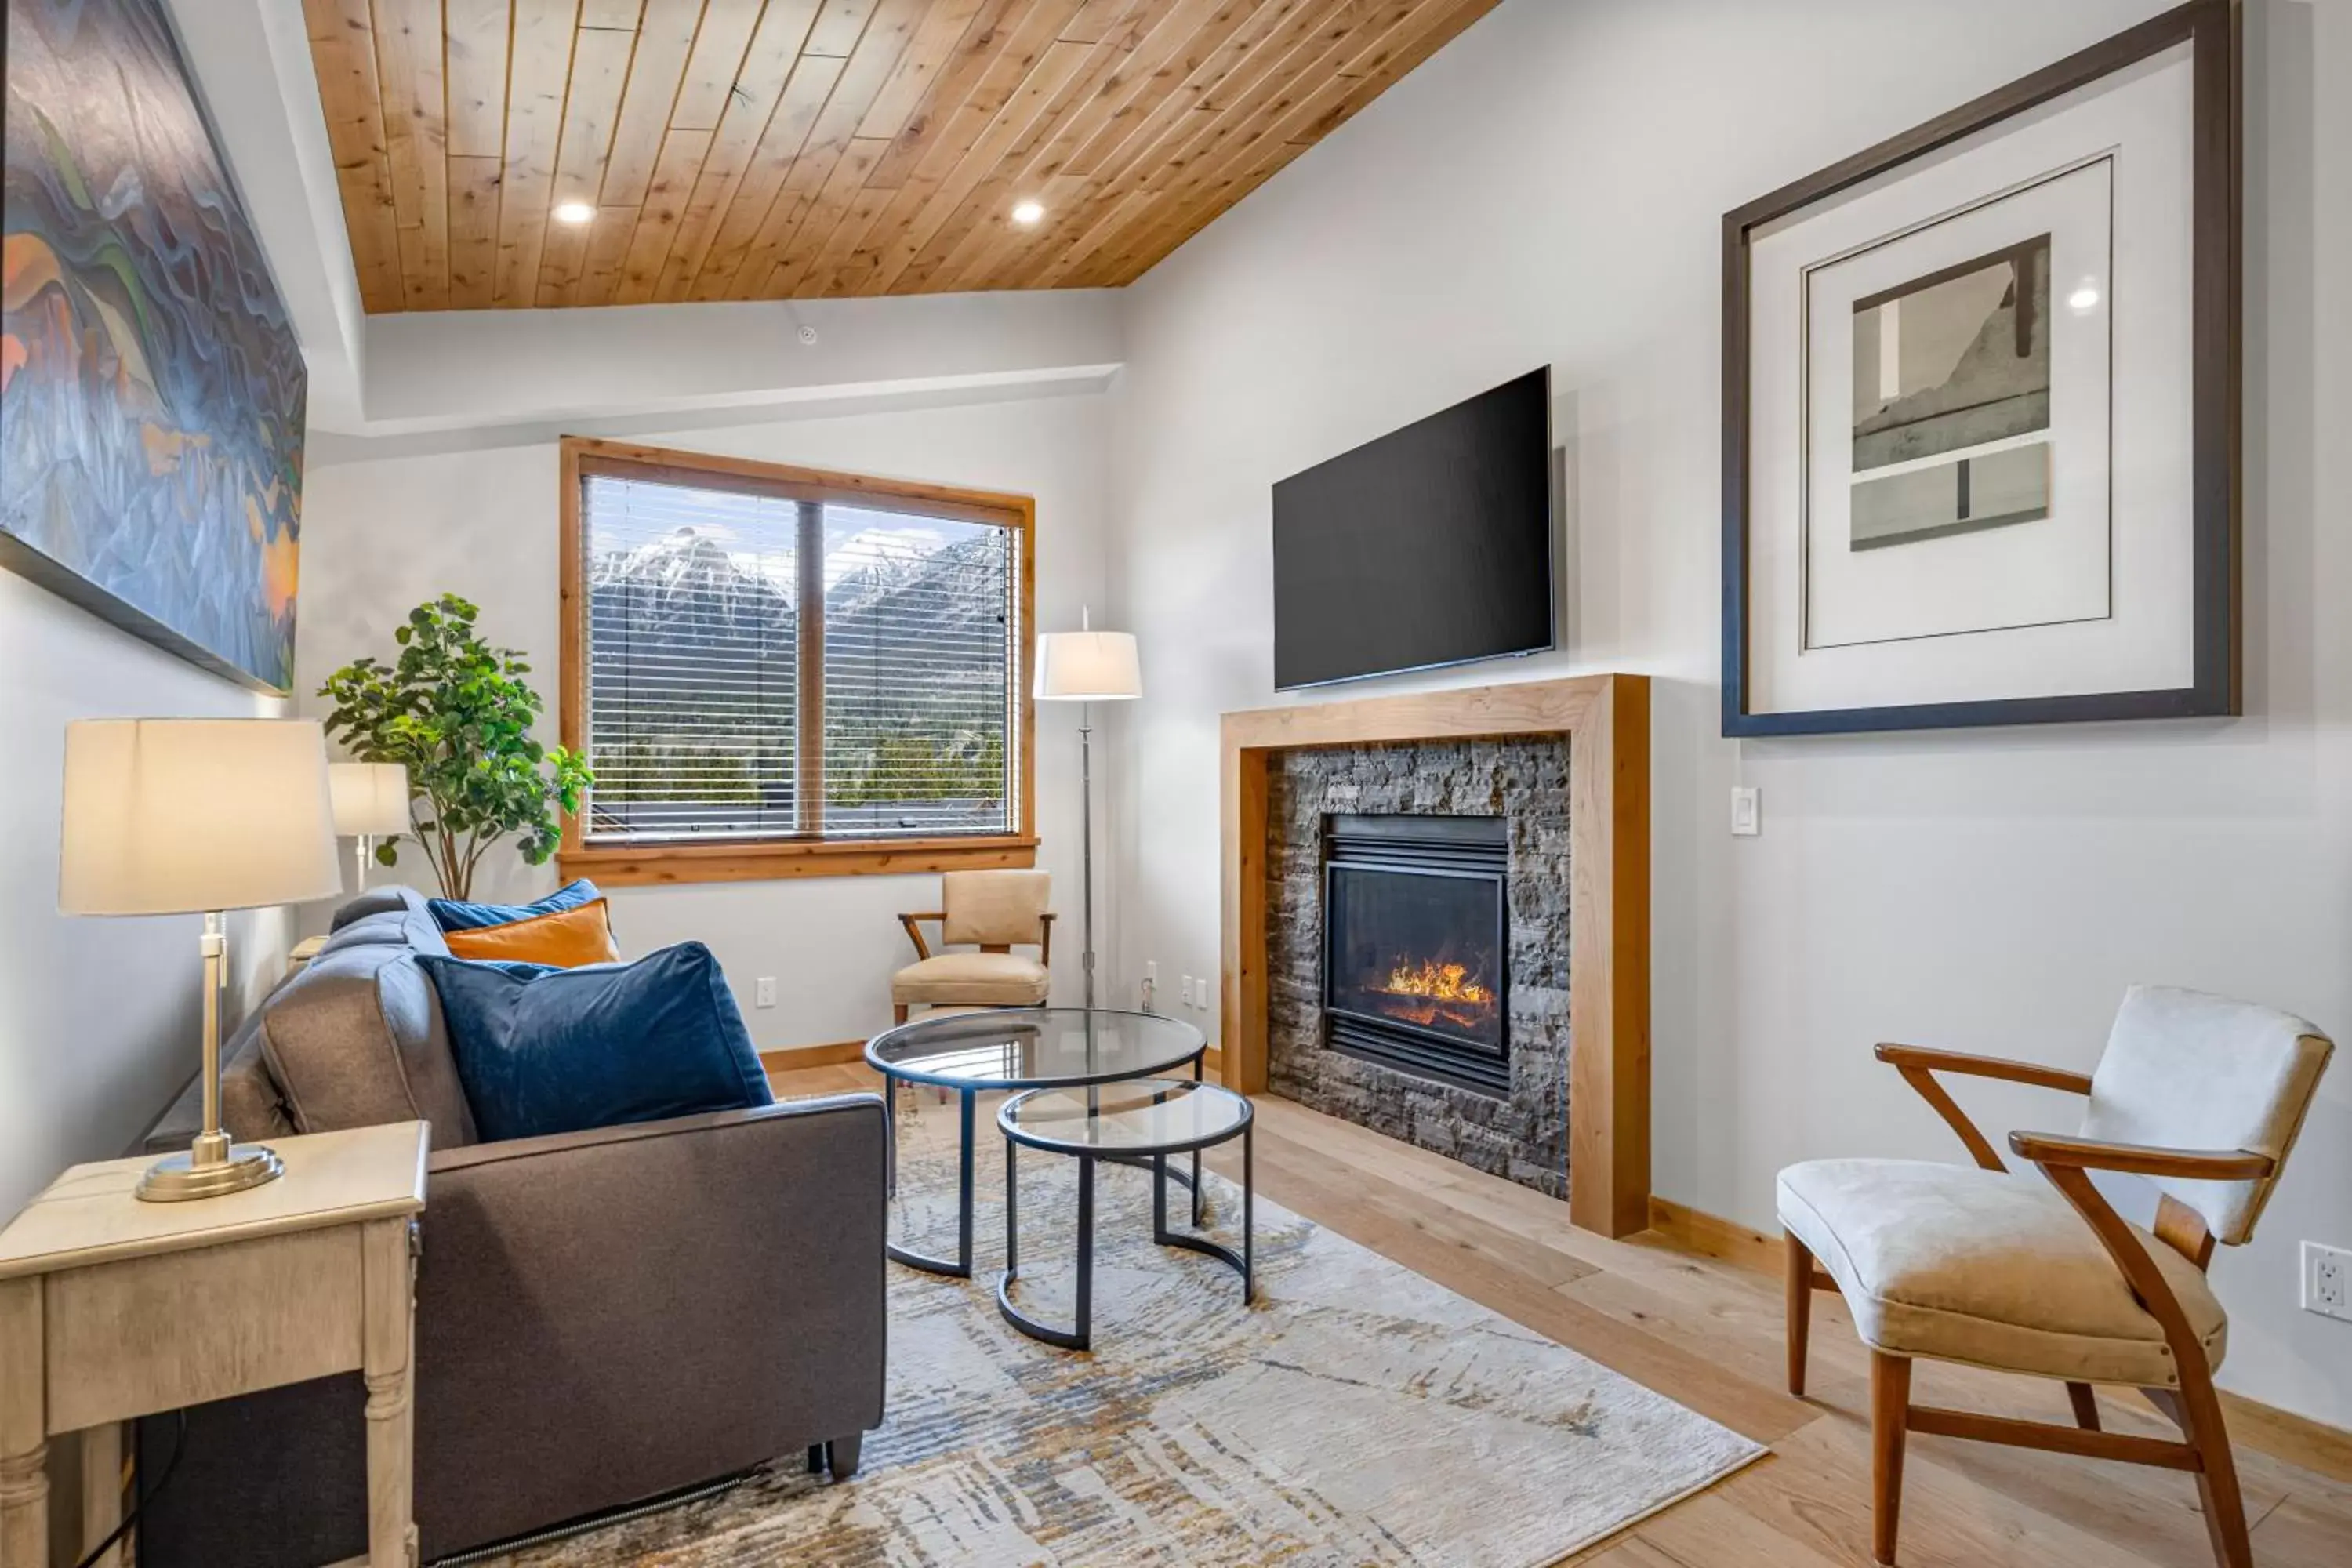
195 817
371 801
1087 667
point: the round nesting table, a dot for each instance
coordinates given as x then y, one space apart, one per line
1138 1120
1019 1049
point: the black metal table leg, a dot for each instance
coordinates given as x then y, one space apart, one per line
1249 1217
1239 1262
1199 1062
1085 1251
1080 1336
962 1267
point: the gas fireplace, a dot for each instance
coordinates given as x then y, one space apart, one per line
1416 944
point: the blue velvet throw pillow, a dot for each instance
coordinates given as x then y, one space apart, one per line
457 914
542 1050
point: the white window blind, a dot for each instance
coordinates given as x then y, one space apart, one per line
697 599
918 645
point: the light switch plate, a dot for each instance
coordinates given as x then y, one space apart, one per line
2328 1280
1747 810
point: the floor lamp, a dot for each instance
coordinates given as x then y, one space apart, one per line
1087 667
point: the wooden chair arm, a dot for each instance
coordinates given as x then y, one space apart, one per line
914 932
2130 1255
2008 1071
1919 1064
1045 939
2048 1148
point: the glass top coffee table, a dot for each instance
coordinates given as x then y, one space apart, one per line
1144 1119
1017 1048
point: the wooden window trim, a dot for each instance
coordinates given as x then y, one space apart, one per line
638 865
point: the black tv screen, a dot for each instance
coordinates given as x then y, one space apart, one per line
1429 546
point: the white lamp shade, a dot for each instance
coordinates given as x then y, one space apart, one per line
184 815
371 798
1087 667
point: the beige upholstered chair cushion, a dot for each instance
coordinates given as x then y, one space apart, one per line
995 907
1998 1269
987 979
2186 1070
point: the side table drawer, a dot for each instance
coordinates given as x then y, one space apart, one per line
182 1327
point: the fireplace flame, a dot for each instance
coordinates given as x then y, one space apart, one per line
1436 981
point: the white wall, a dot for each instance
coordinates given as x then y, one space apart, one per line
1548 189
100 1019
382 536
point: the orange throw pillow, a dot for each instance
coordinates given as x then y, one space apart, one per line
567 939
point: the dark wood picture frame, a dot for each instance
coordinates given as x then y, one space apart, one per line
2211 27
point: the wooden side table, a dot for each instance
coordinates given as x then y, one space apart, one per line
113 1308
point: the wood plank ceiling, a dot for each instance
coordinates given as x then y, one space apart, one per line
797 149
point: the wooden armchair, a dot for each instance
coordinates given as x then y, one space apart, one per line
2201 1096
993 911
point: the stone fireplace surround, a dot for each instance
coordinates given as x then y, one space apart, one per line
1523 780
1603 721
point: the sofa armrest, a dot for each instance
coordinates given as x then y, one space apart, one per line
642 1307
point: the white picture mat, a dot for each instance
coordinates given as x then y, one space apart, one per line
2022 574
2144 117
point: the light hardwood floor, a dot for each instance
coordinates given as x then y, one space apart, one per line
1707 1332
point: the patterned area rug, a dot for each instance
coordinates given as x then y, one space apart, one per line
1358 1414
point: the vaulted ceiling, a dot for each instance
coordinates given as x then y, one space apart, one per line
521 152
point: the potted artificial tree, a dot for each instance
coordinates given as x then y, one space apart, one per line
456 711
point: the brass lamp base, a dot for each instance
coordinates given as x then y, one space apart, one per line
177 1178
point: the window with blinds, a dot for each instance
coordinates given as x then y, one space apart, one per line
777 657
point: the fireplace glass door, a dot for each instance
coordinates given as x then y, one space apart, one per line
1415 952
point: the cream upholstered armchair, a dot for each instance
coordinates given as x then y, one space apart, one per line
994 912
2201 1095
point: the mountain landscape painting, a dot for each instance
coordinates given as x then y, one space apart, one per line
151 391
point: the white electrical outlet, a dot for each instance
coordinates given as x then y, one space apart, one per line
2328 1280
763 990
1185 990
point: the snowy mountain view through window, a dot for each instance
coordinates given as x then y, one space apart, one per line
764 666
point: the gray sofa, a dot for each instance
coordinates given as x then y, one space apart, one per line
602 1317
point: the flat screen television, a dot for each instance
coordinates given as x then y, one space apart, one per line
1429 546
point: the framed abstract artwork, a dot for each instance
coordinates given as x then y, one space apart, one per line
151 391
1980 408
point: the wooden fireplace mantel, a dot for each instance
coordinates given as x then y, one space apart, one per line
1605 720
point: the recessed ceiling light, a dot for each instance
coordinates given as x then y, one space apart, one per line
2085 297
1027 212
574 212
